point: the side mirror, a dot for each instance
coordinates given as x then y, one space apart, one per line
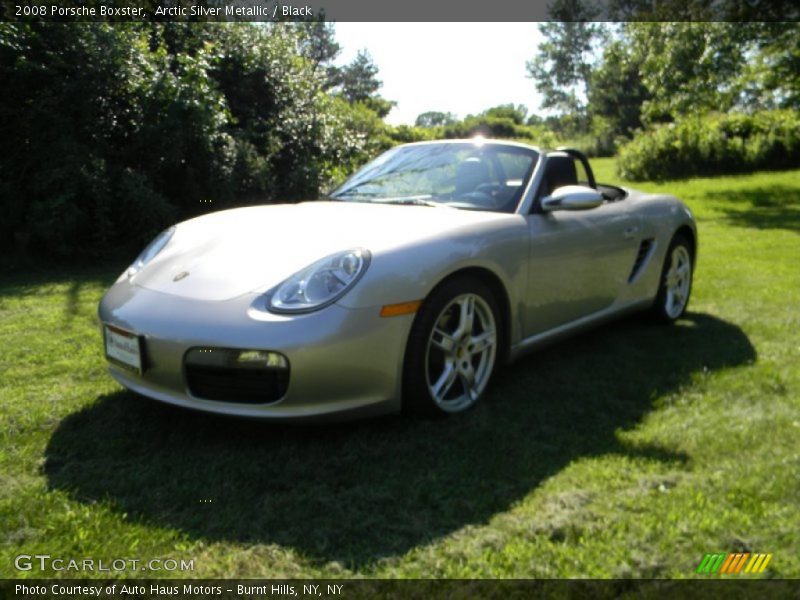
572 197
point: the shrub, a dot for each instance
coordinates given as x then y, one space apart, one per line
112 132
713 144
490 126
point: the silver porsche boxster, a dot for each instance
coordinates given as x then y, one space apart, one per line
403 289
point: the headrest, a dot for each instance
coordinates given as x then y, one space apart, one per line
560 171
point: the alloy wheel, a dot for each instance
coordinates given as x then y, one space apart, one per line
461 352
678 282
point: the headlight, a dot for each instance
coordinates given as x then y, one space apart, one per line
150 252
321 283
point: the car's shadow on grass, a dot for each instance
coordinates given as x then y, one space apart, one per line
361 491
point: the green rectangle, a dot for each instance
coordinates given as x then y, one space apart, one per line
702 568
711 563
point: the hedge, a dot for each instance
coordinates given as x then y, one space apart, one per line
713 144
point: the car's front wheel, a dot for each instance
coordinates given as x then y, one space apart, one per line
676 281
452 349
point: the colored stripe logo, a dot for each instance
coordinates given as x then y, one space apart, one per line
733 563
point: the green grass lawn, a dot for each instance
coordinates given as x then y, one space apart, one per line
629 451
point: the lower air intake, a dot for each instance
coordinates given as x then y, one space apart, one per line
238 376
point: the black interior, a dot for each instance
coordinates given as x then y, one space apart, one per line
611 193
559 171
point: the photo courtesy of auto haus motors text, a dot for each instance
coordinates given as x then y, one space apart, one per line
181 590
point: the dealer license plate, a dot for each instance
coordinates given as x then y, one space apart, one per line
123 347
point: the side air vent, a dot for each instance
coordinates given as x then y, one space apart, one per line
641 258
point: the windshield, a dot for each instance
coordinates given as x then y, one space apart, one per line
470 175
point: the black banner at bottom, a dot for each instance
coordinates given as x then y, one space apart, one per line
347 589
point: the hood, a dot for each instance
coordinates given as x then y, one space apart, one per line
223 255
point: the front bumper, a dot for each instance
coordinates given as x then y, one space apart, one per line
344 362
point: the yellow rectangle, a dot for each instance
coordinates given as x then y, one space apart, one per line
752 562
758 562
765 563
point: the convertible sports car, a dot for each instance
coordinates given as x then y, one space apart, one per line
403 289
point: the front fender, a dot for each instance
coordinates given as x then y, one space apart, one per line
411 271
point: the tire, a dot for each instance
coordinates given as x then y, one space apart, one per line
452 349
675 285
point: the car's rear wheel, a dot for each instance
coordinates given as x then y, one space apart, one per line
452 349
676 281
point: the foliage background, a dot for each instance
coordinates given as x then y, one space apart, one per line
675 99
110 132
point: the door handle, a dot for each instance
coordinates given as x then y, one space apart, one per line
630 232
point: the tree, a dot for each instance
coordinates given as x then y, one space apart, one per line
616 91
689 66
358 82
516 113
535 120
563 65
99 131
651 72
435 119
126 128
772 77
317 43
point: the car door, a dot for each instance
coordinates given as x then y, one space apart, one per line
579 262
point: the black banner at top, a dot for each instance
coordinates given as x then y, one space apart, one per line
400 10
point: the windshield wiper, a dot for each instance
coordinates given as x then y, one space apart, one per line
413 201
371 198
352 196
